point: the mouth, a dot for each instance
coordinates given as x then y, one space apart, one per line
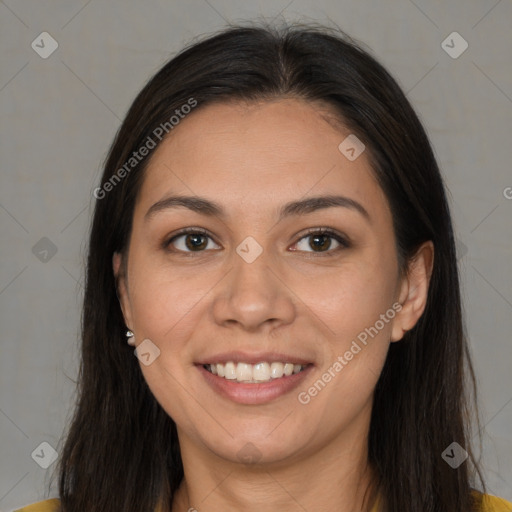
258 373
253 379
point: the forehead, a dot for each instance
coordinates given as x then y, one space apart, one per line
259 154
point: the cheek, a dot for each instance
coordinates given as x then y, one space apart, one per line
356 304
165 302
351 298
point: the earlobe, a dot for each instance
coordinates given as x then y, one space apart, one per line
414 291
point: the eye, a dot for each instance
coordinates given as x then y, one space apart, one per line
191 240
197 240
320 240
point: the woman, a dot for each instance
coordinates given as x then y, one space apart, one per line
272 235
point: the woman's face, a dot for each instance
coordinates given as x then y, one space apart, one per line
259 284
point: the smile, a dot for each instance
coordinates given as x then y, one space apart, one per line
254 373
254 384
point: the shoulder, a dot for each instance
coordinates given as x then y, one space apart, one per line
51 505
495 504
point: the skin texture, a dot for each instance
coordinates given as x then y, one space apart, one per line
252 159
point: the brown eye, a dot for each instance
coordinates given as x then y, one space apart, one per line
194 241
321 241
191 241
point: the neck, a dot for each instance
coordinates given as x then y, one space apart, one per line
333 478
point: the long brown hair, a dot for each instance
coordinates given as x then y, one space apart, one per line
121 451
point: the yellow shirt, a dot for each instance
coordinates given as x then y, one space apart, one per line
491 504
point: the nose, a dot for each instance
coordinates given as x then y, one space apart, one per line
253 296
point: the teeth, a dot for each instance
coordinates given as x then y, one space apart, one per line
261 372
243 372
288 369
229 371
276 370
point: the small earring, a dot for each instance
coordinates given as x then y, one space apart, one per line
130 337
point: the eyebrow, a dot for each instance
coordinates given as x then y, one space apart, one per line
204 206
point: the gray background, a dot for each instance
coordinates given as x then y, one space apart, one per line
59 116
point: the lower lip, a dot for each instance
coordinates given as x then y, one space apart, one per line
254 394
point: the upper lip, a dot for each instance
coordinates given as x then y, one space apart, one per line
253 358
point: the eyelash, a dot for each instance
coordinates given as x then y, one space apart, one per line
344 243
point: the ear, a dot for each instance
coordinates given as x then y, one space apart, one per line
414 290
121 288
